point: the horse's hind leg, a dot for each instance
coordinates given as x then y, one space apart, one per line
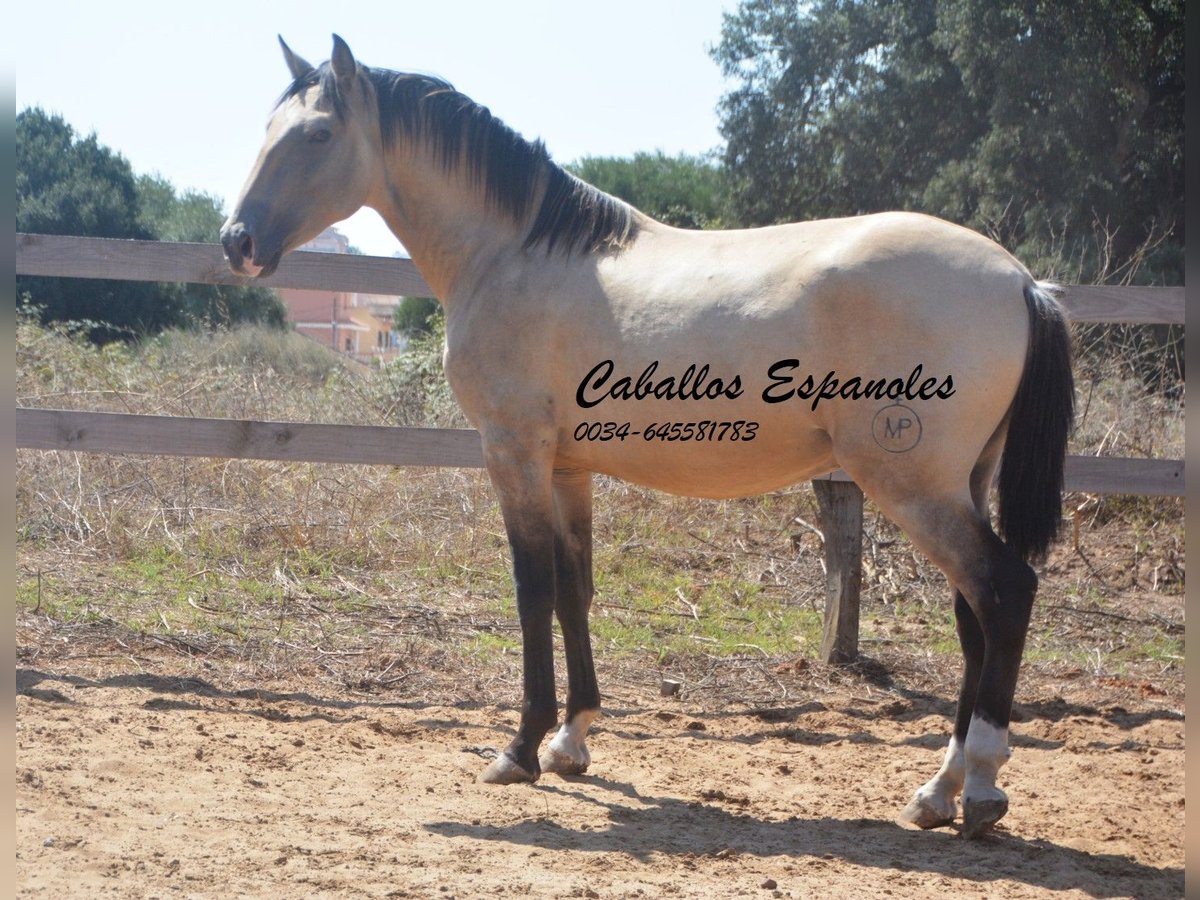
936 802
997 590
997 599
567 753
1002 604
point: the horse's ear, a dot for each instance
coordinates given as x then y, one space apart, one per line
344 67
297 65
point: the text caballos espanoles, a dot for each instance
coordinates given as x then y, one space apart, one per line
784 383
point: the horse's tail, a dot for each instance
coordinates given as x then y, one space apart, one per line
1043 410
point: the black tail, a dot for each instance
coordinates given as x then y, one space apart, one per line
1043 411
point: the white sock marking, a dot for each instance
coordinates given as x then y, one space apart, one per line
986 751
567 753
935 799
570 738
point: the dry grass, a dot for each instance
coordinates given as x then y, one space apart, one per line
383 579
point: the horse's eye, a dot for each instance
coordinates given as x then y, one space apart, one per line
320 137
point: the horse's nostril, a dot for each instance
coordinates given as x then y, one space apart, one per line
246 247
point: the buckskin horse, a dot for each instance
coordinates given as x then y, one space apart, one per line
583 336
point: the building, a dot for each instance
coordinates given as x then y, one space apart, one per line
358 325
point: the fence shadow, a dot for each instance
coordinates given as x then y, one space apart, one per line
642 825
29 683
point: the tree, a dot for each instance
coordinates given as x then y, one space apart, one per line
69 185
1040 123
74 185
415 316
684 191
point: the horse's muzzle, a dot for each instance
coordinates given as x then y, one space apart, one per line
238 244
243 253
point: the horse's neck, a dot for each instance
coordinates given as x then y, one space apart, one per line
443 220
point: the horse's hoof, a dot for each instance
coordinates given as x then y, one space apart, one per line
560 763
924 813
504 770
980 815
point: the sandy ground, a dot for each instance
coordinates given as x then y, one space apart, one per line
158 784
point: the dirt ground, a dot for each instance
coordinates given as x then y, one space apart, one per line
152 780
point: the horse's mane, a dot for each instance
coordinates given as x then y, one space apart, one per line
572 215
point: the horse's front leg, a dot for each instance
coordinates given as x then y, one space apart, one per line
526 501
567 754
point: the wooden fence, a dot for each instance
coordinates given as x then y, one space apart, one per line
841 502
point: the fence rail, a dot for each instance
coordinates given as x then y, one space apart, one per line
81 257
381 445
840 499
375 445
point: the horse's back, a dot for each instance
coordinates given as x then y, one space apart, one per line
896 252
879 292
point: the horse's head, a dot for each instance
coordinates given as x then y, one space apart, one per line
319 163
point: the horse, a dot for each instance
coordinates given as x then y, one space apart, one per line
583 336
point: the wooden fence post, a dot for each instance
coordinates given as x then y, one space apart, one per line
841 508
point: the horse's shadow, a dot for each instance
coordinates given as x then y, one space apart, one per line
642 825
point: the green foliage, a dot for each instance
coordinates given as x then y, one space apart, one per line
192 216
411 389
72 185
1056 128
414 316
684 191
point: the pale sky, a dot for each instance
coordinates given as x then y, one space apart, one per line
183 89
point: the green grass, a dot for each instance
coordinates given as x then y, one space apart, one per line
487 646
930 627
1125 659
644 607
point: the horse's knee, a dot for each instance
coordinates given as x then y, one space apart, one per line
1001 596
1013 586
1014 578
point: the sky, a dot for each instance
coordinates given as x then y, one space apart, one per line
183 89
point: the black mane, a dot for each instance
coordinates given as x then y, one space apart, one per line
572 215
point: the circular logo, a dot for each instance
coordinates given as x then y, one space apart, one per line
896 428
